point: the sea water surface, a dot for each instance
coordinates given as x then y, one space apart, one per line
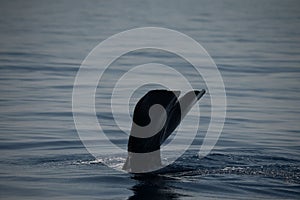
256 46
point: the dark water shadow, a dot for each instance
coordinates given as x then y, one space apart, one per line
153 187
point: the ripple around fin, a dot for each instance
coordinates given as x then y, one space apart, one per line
88 162
113 162
192 166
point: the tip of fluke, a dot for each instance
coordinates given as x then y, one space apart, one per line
200 93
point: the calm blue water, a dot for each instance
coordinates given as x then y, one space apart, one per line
256 46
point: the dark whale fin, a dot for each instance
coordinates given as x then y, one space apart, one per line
175 110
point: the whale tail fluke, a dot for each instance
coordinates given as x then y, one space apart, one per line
144 152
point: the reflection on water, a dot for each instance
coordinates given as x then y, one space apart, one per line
152 187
